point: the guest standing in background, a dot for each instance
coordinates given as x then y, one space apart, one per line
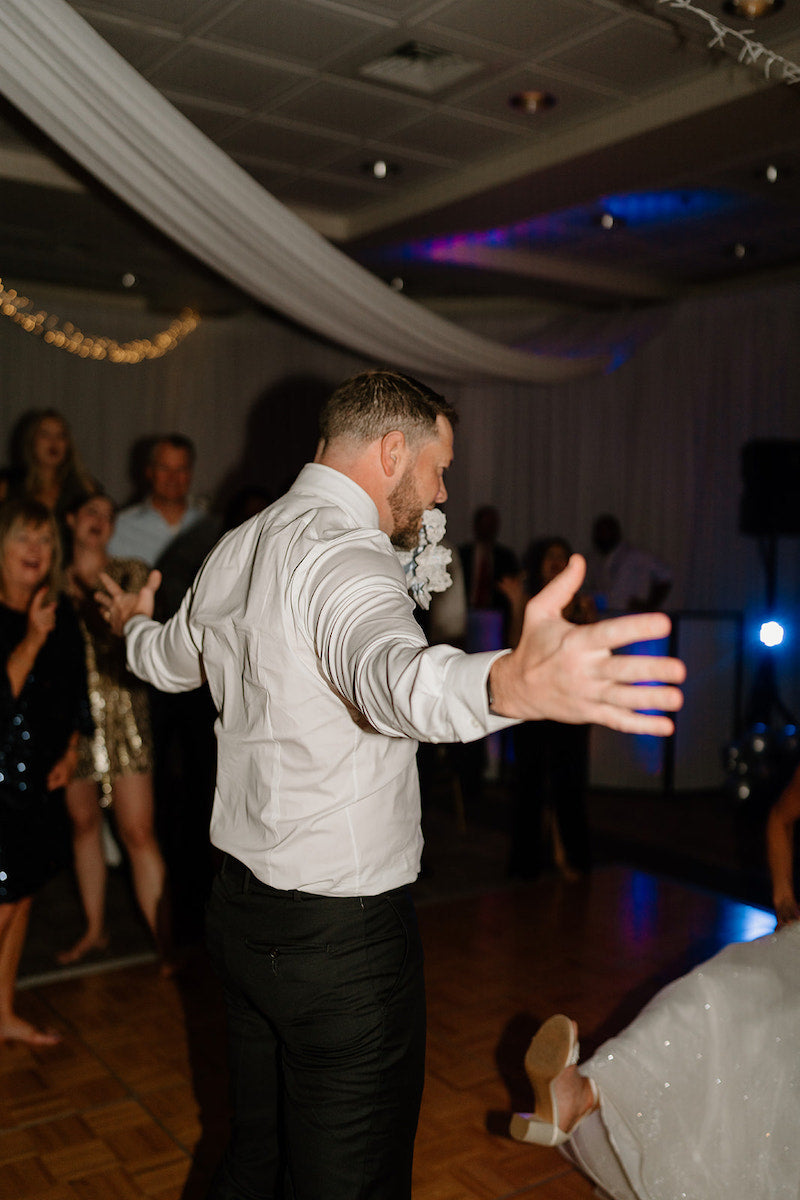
115 763
43 710
46 467
144 530
549 825
485 563
621 577
166 530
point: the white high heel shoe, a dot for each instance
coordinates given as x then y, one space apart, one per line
553 1049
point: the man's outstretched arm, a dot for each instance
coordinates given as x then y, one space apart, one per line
565 672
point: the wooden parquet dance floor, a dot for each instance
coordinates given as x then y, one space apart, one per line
132 1103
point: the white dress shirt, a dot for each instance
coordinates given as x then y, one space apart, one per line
323 681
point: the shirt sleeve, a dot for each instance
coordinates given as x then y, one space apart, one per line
167 656
373 652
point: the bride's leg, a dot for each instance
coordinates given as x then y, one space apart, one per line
562 1096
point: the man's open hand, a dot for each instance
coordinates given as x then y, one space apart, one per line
118 606
565 672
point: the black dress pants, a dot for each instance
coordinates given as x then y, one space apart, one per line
326 1025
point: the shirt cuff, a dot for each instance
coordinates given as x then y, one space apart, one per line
467 678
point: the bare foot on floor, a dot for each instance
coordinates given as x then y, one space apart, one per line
17 1030
82 947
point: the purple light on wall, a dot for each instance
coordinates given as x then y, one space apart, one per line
635 210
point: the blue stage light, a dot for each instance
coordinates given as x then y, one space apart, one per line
771 633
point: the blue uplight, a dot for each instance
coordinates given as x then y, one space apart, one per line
771 633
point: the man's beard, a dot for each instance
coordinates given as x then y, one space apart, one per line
406 509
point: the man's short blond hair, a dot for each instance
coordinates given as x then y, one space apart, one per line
374 403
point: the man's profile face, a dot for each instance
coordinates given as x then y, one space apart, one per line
169 474
421 486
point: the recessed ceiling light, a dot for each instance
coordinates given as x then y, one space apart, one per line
532 101
751 10
128 279
607 220
379 168
739 250
771 173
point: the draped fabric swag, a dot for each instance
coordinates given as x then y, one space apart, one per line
62 75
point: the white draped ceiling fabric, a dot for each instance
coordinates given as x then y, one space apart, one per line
65 78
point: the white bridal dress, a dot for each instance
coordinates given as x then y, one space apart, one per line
700 1095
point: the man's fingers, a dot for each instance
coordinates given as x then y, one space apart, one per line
634 722
153 581
110 585
643 697
556 595
625 631
644 668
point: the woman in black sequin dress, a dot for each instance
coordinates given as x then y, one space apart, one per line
43 709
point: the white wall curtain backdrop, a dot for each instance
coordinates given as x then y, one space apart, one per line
71 83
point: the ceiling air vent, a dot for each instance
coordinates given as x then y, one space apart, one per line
420 68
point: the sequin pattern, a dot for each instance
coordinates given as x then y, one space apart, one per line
35 727
122 741
699 1095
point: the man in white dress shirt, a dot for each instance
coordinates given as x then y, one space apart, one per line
301 621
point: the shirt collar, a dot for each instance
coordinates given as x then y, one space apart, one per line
325 482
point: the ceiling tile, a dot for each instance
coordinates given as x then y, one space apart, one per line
271 176
228 78
456 138
141 47
635 57
280 143
350 108
390 8
176 14
304 33
213 122
523 26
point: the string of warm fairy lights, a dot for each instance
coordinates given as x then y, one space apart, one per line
750 53
64 336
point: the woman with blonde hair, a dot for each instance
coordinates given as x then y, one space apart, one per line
43 710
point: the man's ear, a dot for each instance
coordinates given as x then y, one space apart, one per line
393 452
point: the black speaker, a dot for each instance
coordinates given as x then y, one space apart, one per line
771 497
